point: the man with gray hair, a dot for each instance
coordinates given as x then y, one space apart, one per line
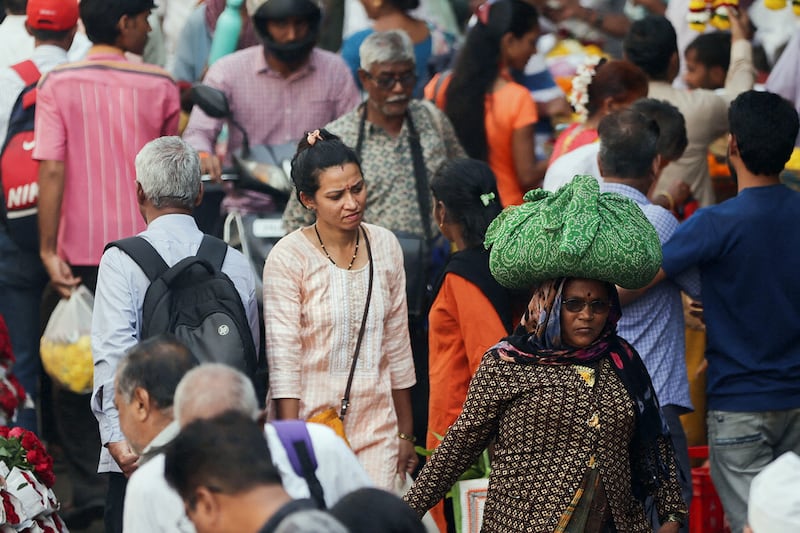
401 143
208 391
212 388
167 189
633 143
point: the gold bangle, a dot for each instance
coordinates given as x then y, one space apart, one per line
410 438
669 198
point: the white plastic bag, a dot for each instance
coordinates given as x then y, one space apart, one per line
66 346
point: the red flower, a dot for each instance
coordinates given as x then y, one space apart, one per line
8 399
47 477
21 394
6 354
35 456
11 514
38 458
29 441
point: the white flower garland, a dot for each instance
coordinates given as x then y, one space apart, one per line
579 95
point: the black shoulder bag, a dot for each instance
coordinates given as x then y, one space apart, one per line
416 249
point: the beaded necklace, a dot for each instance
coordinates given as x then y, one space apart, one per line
325 250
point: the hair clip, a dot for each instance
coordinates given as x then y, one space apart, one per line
487 198
312 137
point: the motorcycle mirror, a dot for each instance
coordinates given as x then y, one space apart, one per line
212 101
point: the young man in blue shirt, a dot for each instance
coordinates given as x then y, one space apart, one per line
746 251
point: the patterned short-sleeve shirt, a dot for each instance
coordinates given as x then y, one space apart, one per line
388 167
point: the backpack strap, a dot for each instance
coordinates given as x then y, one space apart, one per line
296 440
27 71
143 254
213 250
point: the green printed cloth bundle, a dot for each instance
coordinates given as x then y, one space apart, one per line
574 232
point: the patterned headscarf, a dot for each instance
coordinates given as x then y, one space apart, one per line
537 340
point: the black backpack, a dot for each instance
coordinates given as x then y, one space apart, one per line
197 302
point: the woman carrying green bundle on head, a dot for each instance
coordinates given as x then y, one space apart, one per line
579 440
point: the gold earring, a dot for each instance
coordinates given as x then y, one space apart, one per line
377 4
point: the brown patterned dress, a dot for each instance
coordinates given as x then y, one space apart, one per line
543 420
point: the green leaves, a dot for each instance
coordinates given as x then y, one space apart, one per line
13 454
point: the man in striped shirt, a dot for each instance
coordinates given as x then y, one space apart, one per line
92 118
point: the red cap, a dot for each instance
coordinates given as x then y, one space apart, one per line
53 15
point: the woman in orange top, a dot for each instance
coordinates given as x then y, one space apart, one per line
470 310
608 86
492 115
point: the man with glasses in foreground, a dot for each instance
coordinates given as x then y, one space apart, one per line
401 143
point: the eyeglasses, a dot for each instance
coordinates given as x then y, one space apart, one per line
387 81
576 305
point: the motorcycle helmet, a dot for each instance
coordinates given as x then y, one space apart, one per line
292 52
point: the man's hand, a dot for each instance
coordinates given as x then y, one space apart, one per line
696 310
209 164
407 458
60 274
669 527
124 456
741 29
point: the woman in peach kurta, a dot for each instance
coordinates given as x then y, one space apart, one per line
314 299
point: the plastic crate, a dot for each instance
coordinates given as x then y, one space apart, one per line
705 514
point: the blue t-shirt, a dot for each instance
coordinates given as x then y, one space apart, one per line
748 252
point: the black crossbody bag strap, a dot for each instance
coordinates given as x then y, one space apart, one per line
420 171
346 397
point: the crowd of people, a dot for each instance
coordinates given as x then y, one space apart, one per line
467 263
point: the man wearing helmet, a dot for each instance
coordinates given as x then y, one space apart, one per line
288 28
277 91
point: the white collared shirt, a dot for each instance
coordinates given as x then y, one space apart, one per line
152 506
